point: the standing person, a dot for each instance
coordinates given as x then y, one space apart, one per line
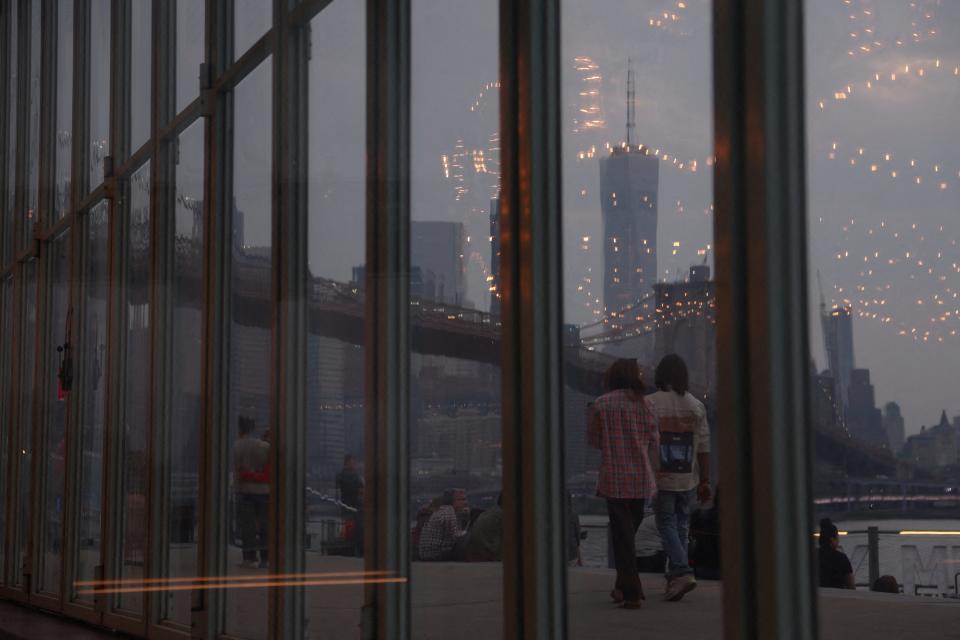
622 426
684 468
349 482
836 572
251 457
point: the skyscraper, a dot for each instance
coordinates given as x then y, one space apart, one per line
438 248
838 339
629 179
493 278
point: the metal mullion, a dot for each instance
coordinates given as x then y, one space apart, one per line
762 342
290 116
89 201
5 51
134 161
10 389
21 117
202 622
81 102
13 566
303 12
249 61
217 241
387 327
48 97
54 229
182 121
534 559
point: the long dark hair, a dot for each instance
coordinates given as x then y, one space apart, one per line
624 374
671 375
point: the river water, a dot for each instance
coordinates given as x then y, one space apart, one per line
926 562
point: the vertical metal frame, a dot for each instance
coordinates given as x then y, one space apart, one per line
290 119
386 611
534 558
762 322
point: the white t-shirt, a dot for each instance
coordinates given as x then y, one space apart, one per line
684 433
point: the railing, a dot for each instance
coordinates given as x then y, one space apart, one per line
873 534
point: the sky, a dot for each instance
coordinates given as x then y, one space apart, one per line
882 242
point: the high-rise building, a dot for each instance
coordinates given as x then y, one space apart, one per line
493 278
893 425
686 325
629 179
838 338
438 248
864 419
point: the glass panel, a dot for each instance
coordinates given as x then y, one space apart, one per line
182 437
455 396
64 132
33 129
6 343
637 248
135 379
93 352
251 19
28 335
883 272
190 46
250 364
140 102
334 411
58 377
99 89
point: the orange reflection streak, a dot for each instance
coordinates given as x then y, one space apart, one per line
203 579
245 585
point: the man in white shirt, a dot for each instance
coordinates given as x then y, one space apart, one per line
684 470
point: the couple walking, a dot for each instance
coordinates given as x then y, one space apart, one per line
655 448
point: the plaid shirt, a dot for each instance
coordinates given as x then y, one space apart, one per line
625 430
439 534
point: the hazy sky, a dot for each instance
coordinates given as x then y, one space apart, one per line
909 117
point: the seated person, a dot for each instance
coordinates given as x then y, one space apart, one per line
885 584
836 571
483 542
650 556
442 531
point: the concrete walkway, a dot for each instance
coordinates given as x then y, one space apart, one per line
462 602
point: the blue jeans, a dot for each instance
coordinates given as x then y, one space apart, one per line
672 512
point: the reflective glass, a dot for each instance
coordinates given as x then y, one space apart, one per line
251 19
12 86
134 420
182 435
63 136
99 118
6 344
637 163
92 367
250 365
140 90
191 40
58 378
24 429
334 411
455 396
30 213
883 190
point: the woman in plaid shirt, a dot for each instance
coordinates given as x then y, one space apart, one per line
623 427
